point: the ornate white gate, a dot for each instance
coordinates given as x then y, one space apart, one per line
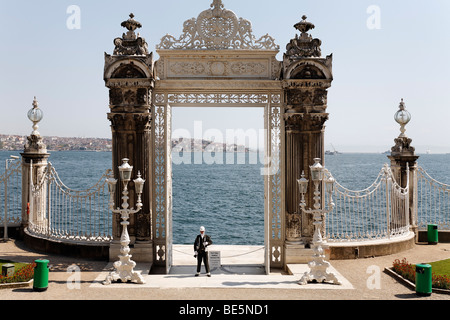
217 61
272 170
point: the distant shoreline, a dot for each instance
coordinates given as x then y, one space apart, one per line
54 143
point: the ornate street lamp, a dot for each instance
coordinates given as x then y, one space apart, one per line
124 267
318 266
35 142
35 115
402 117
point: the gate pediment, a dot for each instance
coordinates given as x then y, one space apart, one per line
217 44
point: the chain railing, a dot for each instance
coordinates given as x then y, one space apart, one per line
433 203
380 211
11 191
58 212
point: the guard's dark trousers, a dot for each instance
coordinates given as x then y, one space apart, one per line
202 256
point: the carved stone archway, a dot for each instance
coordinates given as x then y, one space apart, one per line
217 61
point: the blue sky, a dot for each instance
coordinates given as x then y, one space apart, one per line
373 68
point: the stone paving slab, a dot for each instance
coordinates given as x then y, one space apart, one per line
241 267
237 276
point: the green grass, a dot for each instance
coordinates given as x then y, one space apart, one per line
441 267
440 272
17 265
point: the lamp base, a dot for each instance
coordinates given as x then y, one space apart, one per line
319 273
124 272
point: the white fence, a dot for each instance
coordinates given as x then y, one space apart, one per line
433 204
11 193
380 211
58 212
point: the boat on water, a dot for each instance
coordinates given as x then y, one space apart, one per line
332 153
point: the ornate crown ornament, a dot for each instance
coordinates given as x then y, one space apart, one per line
217 28
130 43
305 45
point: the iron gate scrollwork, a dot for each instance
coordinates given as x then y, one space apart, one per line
272 171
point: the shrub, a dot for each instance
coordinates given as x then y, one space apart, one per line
441 281
405 269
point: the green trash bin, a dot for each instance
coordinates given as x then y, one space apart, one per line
40 281
432 234
423 280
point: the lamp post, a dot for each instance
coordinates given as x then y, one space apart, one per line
35 115
318 266
402 117
124 267
34 162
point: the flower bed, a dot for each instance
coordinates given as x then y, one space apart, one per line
408 271
24 274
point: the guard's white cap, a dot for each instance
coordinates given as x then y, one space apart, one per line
202 228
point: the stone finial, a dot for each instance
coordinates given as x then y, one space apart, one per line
130 43
304 26
131 24
305 45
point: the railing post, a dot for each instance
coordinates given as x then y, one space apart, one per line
30 199
48 200
406 202
388 205
5 221
404 165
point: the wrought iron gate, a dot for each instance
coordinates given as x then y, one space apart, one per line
273 169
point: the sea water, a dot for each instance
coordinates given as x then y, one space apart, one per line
227 197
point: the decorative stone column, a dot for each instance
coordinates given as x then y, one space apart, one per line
402 157
306 76
34 162
129 76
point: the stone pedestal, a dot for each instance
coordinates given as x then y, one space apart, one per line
34 162
402 158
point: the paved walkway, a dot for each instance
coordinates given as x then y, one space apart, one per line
241 277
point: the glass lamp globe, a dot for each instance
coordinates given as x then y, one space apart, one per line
125 171
35 115
111 185
139 183
329 184
303 184
402 117
316 170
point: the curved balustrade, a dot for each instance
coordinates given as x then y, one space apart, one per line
380 211
11 193
58 212
433 205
